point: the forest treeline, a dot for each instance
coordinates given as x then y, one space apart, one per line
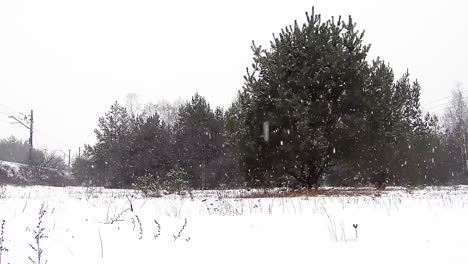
314 110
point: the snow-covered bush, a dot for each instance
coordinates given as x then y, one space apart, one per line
149 185
39 175
2 192
175 181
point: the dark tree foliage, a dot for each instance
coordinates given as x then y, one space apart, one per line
84 171
313 109
433 153
127 147
110 155
151 147
300 107
453 158
199 141
396 142
133 147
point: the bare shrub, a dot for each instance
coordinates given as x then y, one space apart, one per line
2 241
38 237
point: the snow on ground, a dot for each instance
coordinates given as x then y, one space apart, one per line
94 225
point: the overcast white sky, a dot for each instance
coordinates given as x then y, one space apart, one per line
69 60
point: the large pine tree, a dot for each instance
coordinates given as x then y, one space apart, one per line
312 102
110 155
300 104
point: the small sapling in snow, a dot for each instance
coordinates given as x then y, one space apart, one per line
158 233
140 227
181 230
355 230
2 246
38 237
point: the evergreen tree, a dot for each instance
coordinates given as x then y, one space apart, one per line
301 105
393 130
110 155
151 147
312 107
197 138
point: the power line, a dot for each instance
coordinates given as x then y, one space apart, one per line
444 98
5 114
11 108
5 121
437 101
429 107
438 106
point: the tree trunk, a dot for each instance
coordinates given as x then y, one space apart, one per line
312 179
381 181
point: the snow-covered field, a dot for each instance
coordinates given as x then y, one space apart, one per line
116 226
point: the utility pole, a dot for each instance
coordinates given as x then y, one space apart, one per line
79 152
65 157
31 131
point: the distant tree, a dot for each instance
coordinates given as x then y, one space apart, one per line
110 155
49 159
166 110
198 140
456 135
235 145
84 171
223 170
434 154
151 149
14 150
395 137
46 167
133 105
